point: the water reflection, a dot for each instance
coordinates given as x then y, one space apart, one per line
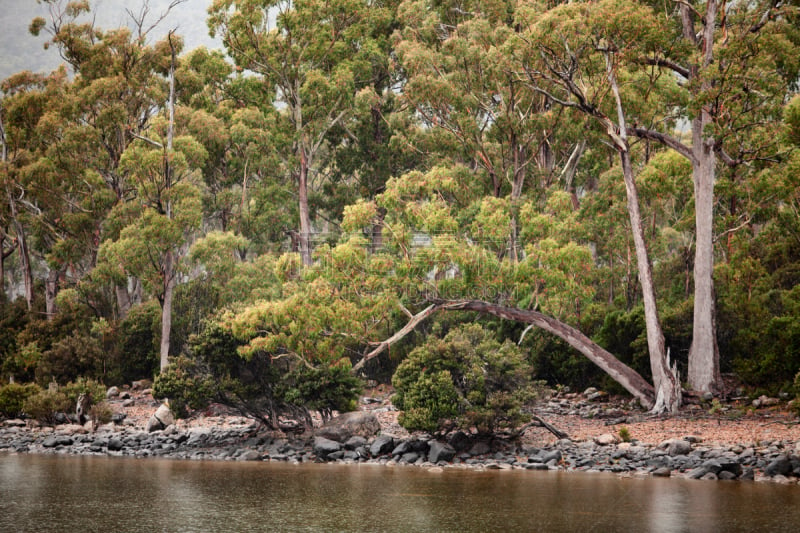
49 493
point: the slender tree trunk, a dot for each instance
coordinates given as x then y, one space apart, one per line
169 258
666 382
665 379
166 309
305 218
50 293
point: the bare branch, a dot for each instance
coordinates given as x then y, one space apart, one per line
408 328
666 140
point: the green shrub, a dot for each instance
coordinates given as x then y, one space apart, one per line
323 388
137 353
186 384
467 379
94 389
45 405
101 413
69 358
13 396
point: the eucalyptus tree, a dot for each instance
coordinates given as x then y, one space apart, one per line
119 85
463 82
313 56
27 99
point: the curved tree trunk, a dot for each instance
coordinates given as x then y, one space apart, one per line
628 378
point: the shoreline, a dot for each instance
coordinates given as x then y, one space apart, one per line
689 458
737 443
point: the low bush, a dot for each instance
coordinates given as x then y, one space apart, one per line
44 406
13 396
468 379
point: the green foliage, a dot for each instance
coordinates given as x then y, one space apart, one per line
70 358
323 388
466 379
136 354
186 385
95 390
260 386
624 434
45 405
13 397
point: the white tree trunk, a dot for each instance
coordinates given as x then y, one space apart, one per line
704 355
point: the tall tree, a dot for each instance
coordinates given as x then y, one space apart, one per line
313 56
576 60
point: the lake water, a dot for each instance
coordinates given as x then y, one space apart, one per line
60 493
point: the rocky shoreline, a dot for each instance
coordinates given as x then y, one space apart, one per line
242 440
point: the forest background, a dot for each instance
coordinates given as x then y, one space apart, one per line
268 222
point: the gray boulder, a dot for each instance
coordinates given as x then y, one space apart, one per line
381 445
112 392
161 419
325 447
439 451
782 465
356 423
676 447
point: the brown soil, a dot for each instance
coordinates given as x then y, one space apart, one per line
735 423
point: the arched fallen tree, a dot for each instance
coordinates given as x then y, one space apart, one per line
628 378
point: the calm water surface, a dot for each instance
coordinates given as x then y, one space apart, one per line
56 493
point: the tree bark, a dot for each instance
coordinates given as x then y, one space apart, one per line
666 382
628 378
166 310
704 374
50 293
305 218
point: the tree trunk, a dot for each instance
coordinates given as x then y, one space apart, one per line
704 374
305 219
50 293
666 381
628 378
24 258
667 384
166 309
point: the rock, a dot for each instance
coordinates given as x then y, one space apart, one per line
708 396
782 465
112 392
125 395
402 448
606 439
662 472
115 445
439 451
726 475
710 476
596 396
381 445
141 384
765 401
250 455
324 447
160 419
117 418
479 448
554 455
355 442
128 403
356 423
697 473
14 423
590 390
675 447
460 441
